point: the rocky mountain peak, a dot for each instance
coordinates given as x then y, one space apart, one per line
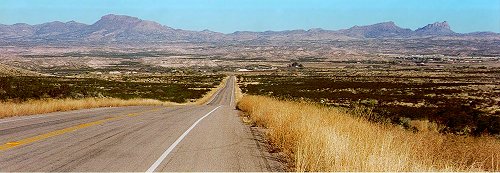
437 28
443 24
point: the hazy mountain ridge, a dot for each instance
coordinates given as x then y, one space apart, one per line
121 28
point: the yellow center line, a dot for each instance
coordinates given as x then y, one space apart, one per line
29 140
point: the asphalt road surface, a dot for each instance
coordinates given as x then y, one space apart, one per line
207 137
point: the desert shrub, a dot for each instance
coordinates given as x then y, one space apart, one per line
21 89
459 115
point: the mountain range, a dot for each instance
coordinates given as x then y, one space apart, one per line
121 28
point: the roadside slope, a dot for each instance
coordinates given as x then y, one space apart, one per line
10 109
319 138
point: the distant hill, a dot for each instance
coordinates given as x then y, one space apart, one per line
121 28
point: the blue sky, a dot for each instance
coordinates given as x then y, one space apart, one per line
260 15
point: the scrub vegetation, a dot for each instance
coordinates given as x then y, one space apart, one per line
177 89
459 101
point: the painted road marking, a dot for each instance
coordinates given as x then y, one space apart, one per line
33 139
169 149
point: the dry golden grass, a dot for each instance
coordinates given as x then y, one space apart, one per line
237 92
318 138
8 109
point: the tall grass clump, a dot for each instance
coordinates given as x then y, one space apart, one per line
317 138
238 94
9 109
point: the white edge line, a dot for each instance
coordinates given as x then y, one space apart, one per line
169 149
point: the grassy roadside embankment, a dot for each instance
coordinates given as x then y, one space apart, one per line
316 138
31 107
9 109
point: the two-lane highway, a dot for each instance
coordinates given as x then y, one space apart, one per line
208 137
